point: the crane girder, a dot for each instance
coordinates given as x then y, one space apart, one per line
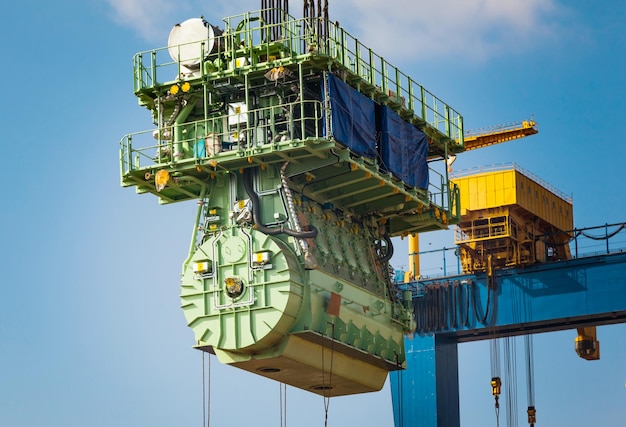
499 134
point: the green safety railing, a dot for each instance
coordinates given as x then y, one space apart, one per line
246 46
229 135
222 134
444 194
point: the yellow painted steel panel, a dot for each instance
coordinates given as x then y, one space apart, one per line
486 190
489 190
543 203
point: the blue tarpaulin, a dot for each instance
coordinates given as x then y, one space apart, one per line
353 118
403 148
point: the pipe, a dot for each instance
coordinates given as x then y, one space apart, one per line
164 134
414 258
178 135
194 234
289 196
389 253
254 198
310 262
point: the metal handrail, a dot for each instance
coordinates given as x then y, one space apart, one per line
299 41
586 242
240 137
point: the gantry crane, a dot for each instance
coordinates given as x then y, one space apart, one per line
514 244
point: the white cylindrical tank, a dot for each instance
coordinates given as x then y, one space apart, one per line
185 42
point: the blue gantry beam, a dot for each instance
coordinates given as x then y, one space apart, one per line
541 298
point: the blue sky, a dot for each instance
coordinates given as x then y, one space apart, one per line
91 333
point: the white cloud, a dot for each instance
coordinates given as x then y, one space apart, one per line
153 19
468 29
143 16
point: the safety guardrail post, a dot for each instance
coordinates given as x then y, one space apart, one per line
423 103
153 64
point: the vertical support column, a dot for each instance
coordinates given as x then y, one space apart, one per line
423 95
426 394
153 69
302 98
414 258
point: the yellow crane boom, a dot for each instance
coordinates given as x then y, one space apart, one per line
498 134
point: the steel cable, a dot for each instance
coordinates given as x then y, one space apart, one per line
206 392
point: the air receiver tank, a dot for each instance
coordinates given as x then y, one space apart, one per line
192 41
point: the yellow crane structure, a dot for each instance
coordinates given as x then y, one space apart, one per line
510 218
485 137
493 204
473 139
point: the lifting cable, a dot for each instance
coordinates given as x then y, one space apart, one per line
531 411
282 390
496 382
326 388
510 356
400 412
206 391
530 369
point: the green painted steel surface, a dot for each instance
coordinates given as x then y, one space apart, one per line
268 306
282 298
246 293
344 254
